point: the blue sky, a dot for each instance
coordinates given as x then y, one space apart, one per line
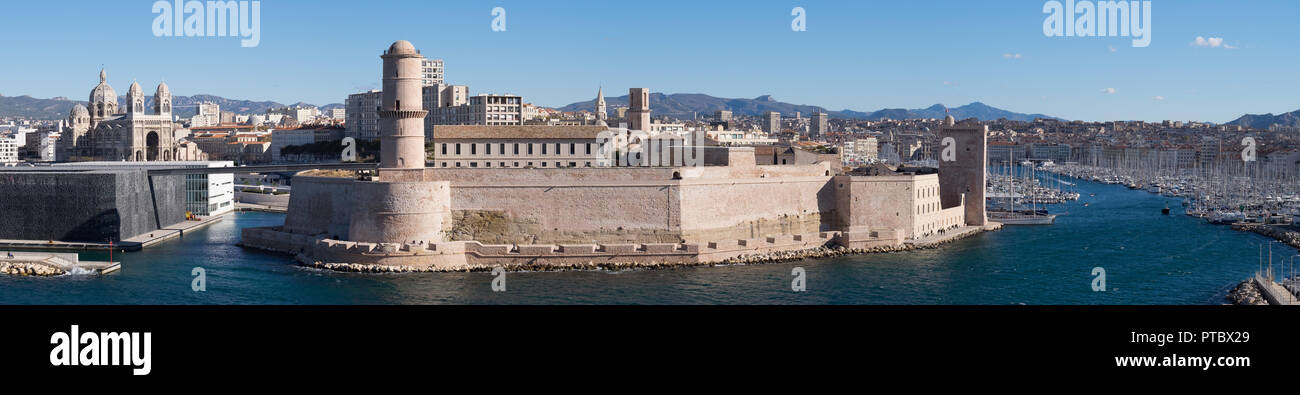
860 55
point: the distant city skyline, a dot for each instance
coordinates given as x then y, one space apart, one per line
1208 60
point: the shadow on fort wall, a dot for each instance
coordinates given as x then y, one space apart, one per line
826 207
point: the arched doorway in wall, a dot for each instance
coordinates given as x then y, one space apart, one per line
151 144
139 156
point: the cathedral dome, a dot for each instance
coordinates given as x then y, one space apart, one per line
135 89
402 47
102 92
79 111
163 90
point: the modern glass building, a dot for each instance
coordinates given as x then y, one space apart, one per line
205 194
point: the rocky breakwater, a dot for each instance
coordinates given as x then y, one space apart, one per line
306 261
1246 294
814 253
747 259
19 268
761 258
1280 233
838 251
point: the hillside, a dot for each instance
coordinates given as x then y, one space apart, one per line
184 106
1263 121
685 105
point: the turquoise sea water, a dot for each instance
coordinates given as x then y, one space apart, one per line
1149 258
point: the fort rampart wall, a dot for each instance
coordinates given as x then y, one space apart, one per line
466 218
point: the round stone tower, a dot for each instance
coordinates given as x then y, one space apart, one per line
399 206
401 113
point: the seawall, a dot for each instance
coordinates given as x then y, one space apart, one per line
476 256
1290 237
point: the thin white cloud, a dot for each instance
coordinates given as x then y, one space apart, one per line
1013 56
1108 91
1211 42
1158 98
949 83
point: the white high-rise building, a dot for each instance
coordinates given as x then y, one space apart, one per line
431 72
488 109
819 126
41 145
209 114
363 115
8 149
867 149
303 114
773 124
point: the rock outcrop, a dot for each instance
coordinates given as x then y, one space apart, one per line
1246 294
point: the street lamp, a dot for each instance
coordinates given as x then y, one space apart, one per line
1295 282
1270 259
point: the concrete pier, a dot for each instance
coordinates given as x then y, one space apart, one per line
950 235
1274 293
171 232
129 245
46 245
263 208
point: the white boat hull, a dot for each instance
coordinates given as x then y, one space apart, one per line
1024 219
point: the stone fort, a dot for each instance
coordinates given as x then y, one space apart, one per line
444 218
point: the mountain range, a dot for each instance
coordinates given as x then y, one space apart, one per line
685 105
1263 121
681 105
183 106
